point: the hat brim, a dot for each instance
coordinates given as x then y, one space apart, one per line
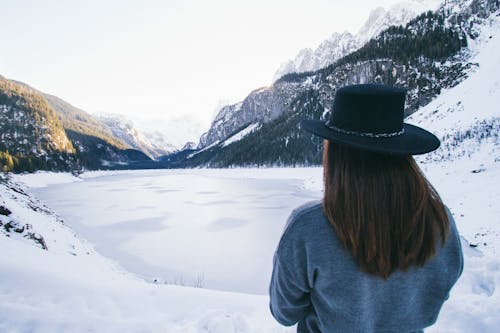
413 141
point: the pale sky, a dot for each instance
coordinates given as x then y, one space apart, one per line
165 64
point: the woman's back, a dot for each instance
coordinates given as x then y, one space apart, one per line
381 252
317 281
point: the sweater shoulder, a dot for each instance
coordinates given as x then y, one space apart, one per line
303 217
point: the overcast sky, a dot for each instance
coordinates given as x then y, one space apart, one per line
167 63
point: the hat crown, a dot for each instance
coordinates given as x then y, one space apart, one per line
370 117
368 109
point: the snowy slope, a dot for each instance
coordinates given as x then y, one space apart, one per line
467 117
46 292
33 223
241 134
466 172
467 120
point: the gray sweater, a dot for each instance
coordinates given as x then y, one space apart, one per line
317 283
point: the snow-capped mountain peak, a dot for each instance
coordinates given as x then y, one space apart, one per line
398 14
341 44
154 144
375 16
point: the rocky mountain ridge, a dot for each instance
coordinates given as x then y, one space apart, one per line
341 44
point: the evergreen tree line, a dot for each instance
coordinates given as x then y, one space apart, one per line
29 163
37 107
403 45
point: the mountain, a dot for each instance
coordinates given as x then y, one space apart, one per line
189 145
31 137
41 131
96 145
341 44
160 143
77 120
266 104
153 144
428 55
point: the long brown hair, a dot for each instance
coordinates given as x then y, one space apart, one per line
382 207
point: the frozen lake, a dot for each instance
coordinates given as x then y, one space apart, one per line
212 228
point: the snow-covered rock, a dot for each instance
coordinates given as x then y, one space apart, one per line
189 146
33 223
261 105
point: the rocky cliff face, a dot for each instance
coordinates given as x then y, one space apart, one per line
261 105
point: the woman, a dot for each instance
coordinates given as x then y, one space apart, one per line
381 252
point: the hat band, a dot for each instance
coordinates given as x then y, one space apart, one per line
365 134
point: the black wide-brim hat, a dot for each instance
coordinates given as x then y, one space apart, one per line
370 117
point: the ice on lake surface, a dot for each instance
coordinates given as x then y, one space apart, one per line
215 228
